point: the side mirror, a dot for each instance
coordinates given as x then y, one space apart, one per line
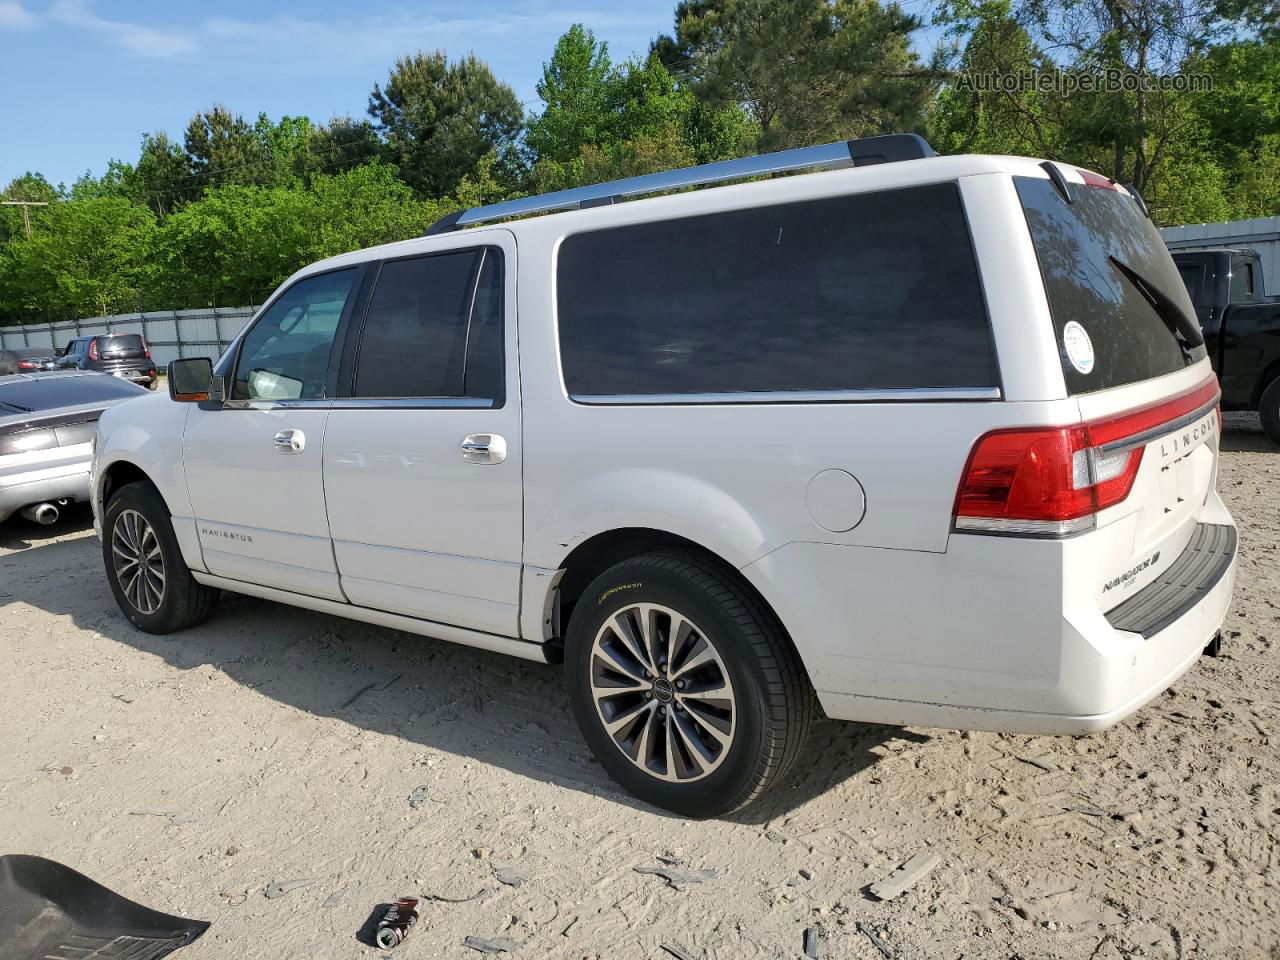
190 379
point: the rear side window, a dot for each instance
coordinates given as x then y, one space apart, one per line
1241 282
1090 251
433 328
1192 275
872 291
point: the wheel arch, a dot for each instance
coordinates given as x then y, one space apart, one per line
590 558
118 474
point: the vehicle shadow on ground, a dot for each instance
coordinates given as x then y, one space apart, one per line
491 708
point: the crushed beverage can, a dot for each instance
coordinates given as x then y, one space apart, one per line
396 923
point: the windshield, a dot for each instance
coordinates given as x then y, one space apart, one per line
1120 309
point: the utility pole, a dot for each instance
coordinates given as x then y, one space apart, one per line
24 204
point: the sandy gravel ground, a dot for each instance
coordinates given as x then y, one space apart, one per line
273 745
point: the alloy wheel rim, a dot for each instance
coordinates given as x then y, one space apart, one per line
663 692
138 562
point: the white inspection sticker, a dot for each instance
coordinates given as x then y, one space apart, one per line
1078 346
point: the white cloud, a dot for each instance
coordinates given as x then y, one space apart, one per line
136 38
373 37
13 16
386 36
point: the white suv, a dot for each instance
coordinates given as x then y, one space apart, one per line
929 440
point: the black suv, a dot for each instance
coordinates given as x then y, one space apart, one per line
120 354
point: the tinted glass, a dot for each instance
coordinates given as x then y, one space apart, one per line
1191 274
48 392
285 354
1075 244
121 345
421 337
1241 282
870 291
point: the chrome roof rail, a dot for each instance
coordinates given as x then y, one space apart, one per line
829 156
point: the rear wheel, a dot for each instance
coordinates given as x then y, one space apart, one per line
151 582
684 685
1269 410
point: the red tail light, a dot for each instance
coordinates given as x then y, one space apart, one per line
26 365
1051 481
145 349
93 349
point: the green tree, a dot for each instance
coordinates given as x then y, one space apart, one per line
575 91
86 258
165 174
440 119
238 242
966 116
341 144
284 145
805 70
226 149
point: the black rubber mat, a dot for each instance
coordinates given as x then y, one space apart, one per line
1189 578
51 912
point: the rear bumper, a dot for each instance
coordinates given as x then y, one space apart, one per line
67 481
983 637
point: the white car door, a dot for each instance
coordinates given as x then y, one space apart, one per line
422 457
253 463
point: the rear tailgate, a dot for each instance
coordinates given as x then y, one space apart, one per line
1175 437
1134 359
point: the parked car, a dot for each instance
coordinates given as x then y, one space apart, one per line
123 355
1241 328
25 360
47 423
931 440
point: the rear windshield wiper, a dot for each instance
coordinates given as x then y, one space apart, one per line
1168 310
16 406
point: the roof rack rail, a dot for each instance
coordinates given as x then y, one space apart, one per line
842 153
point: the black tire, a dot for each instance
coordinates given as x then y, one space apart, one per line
182 602
1269 410
773 701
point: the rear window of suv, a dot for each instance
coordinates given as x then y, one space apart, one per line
864 292
126 344
1094 254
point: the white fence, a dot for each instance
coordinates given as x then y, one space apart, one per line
1262 234
169 333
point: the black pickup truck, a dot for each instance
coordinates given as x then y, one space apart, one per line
1241 328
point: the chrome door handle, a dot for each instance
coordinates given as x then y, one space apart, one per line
289 441
484 448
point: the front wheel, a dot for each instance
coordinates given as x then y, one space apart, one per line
1269 410
685 687
151 582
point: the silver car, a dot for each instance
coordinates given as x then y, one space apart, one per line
47 425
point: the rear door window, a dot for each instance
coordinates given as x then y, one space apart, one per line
1094 254
870 291
1241 282
433 328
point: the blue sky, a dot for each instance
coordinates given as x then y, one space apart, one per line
81 80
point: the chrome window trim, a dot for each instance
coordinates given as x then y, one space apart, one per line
316 403
869 395
412 403
365 403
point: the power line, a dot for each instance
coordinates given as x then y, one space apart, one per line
26 215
